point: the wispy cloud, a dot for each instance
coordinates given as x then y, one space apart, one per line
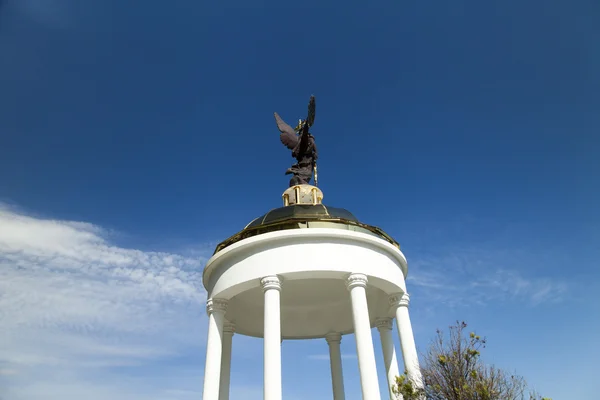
462 277
70 300
507 285
325 357
61 14
5 371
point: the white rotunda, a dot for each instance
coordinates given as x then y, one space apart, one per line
306 271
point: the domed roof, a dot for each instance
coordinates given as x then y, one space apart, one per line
302 216
302 211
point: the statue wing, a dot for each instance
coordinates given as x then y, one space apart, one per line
288 136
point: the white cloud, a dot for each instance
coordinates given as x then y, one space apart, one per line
83 317
72 302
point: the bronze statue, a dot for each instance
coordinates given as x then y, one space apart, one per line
303 146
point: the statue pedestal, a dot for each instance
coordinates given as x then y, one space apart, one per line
302 194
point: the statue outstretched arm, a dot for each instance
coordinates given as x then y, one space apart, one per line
310 118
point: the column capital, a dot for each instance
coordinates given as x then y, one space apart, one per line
356 280
229 328
333 337
270 282
384 324
399 300
216 305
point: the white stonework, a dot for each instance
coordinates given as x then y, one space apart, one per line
364 342
399 304
314 264
271 286
335 360
228 331
308 283
216 309
384 326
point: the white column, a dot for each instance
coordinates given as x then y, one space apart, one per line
357 284
384 326
216 309
399 304
228 331
335 360
272 338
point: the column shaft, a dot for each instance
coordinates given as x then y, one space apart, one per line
364 340
389 353
407 340
224 384
335 361
212 370
272 339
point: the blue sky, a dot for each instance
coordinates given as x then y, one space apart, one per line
130 132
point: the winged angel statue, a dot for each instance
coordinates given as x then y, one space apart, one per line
303 146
